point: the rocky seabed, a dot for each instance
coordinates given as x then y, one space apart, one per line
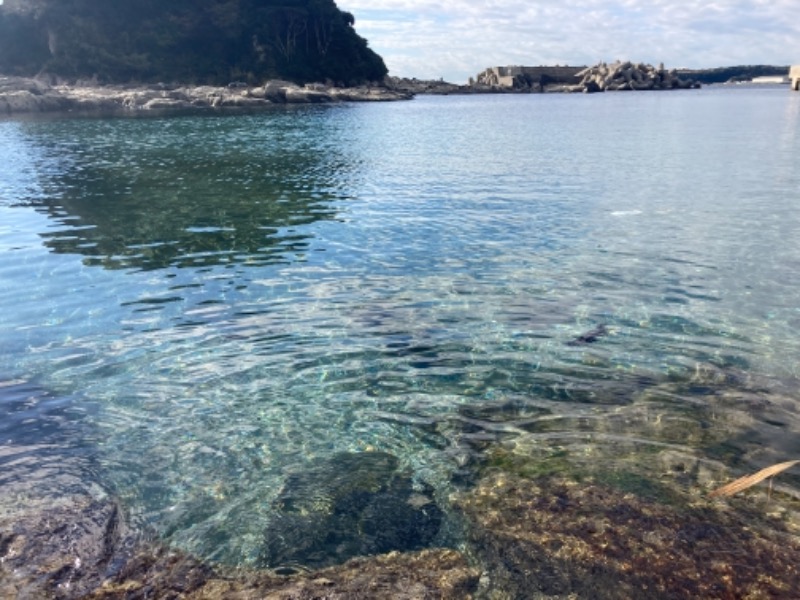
538 521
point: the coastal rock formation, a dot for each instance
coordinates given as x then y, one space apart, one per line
555 536
432 87
620 76
22 95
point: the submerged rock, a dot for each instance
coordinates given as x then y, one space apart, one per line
556 537
61 532
353 504
545 516
63 535
590 336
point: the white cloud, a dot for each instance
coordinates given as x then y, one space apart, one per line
457 39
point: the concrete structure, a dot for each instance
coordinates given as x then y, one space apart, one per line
771 79
506 77
794 77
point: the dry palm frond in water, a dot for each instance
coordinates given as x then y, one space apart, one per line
743 483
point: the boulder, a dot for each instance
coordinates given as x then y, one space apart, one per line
164 104
591 87
628 76
370 94
298 95
353 504
25 101
275 90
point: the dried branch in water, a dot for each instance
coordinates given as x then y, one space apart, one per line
748 481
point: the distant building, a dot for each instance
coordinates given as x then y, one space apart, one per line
771 79
794 76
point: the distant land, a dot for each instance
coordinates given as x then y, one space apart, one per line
733 74
558 78
51 93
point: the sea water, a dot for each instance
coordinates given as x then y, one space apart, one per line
219 303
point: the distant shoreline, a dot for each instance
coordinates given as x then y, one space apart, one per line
31 96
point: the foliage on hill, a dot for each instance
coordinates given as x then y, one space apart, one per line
739 73
199 41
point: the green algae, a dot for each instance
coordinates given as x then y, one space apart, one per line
559 463
506 461
628 482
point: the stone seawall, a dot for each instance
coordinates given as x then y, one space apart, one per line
516 77
601 77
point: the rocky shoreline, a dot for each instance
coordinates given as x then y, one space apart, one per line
20 95
30 96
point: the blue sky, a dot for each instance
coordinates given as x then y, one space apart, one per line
456 39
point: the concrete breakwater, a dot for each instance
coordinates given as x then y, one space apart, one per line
525 78
616 76
628 76
23 95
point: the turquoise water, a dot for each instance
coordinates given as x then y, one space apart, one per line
220 303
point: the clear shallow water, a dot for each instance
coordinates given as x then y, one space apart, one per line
224 302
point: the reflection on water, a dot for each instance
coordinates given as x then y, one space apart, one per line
186 191
254 304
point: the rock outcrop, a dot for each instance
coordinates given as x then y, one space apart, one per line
432 87
21 95
620 76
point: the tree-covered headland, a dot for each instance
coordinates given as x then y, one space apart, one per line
192 41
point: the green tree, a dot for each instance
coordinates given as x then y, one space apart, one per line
211 41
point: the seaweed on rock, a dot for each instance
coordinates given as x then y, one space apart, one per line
554 536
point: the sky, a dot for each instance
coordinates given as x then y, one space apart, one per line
457 39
